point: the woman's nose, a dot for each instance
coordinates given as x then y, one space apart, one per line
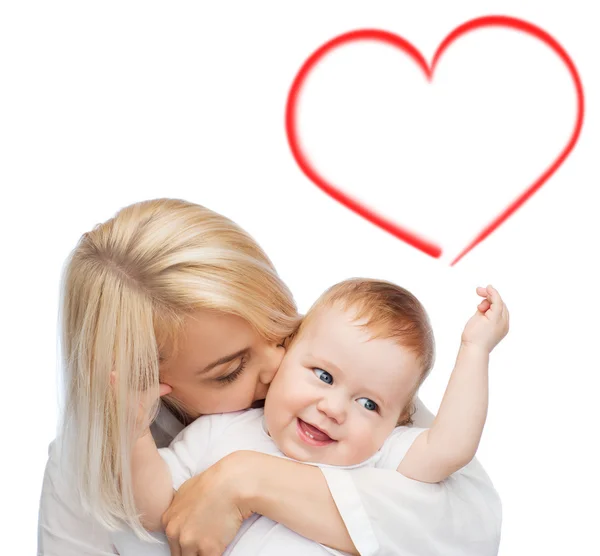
261 391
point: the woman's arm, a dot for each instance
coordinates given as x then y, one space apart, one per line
295 495
208 509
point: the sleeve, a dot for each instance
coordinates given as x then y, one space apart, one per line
63 527
186 456
387 513
396 446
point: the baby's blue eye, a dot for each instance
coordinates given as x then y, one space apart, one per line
367 404
323 375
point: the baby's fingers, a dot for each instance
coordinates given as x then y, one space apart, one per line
484 306
494 297
492 305
497 307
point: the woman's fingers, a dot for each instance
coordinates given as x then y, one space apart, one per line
174 546
204 516
192 550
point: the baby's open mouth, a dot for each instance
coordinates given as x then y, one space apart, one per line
312 435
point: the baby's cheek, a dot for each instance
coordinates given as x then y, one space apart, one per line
362 447
375 435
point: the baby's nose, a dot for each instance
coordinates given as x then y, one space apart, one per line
334 408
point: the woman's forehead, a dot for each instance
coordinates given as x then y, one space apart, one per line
207 335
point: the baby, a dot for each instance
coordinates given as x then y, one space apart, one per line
343 396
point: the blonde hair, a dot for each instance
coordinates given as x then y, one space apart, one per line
385 310
126 289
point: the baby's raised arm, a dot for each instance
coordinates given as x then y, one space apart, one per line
452 440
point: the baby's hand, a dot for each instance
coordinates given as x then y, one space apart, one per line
140 405
146 401
489 324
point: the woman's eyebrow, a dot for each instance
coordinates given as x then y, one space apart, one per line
224 359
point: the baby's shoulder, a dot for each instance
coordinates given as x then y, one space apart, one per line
403 431
397 445
231 419
214 425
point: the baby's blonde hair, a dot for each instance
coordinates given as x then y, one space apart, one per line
385 310
126 289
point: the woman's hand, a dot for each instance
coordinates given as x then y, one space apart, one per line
489 324
208 509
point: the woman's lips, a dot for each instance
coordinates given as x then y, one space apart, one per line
312 435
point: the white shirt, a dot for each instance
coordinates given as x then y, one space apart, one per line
212 437
385 513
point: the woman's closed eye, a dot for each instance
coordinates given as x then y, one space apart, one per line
368 404
323 375
233 375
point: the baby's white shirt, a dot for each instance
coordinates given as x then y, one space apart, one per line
212 437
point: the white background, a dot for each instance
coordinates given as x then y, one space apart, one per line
107 103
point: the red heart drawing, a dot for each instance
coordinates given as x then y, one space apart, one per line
407 48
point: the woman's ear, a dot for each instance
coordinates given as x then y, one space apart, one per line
164 389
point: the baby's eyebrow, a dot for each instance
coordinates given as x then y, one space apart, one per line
380 398
325 363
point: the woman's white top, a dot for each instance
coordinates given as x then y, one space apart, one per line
385 513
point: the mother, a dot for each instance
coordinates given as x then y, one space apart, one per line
171 292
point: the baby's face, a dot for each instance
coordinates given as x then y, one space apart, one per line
338 394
